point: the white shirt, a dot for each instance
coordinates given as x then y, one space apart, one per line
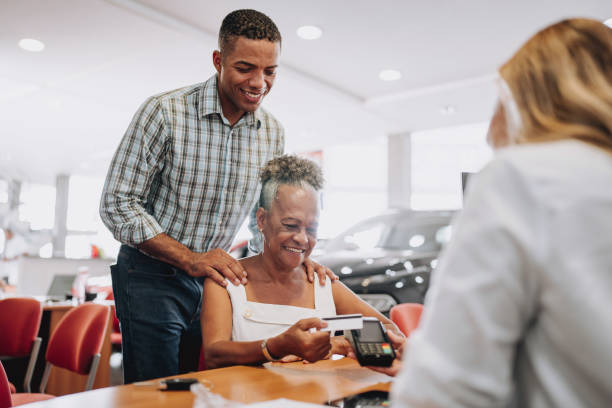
521 304
256 321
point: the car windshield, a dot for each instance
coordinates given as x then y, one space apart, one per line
417 237
368 236
396 235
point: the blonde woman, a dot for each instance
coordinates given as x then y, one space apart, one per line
520 308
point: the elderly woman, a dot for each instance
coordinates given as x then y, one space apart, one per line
277 315
520 307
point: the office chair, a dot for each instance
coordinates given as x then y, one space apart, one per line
406 316
9 399
115 336
202 360
19 324
77 341
5 391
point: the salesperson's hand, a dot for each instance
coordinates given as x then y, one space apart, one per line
398 342
217 265
323 271
340 345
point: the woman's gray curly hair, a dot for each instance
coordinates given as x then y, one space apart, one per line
291 170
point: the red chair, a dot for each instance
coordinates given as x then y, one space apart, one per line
406 316
7 399
202 361
5 391
76 342
115 336
19 324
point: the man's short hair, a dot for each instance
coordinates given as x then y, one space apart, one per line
247 23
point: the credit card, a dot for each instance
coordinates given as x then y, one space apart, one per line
343 322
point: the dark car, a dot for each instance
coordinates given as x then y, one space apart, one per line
388 259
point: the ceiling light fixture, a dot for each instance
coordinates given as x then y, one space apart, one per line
390 75
608 22
309 32
448 110
32 45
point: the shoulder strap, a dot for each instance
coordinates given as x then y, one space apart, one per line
237 294
324 298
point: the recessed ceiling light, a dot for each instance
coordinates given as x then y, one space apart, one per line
448 110
30 44
608 22
309 32
390 75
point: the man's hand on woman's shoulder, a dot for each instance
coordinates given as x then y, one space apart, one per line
324 272
217 265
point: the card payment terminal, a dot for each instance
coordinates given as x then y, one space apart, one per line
371 344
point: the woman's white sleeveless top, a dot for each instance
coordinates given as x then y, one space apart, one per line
256 321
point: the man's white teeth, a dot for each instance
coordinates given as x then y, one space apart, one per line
299 251
251 94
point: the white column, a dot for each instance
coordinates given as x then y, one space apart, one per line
14 191
399 170
61 215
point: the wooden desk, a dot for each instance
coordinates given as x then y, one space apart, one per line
323 381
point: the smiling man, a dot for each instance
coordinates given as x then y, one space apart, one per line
246 71
184 178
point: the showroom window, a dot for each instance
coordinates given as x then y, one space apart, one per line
37 206
355 185
87 236
439 157
37 217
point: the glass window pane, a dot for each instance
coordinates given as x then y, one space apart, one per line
439 156
37 205
416 237
370 237
343 209
94 239
78 246
355 185
83 202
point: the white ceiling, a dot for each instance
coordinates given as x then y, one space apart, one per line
64 110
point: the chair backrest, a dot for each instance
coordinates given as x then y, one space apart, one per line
116 324
5 392
78 337
202 361
406 316
19 324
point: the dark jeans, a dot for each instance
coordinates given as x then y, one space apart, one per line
158 307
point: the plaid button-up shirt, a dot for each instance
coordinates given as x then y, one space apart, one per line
181 169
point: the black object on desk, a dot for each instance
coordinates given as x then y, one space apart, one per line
368 399
178 384
371 344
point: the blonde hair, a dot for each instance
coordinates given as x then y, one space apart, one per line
561 80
